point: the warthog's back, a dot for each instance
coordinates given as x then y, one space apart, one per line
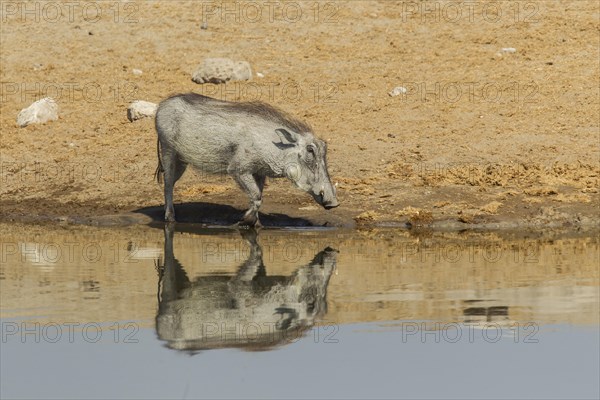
208 133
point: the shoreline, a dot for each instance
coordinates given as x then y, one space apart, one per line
218 216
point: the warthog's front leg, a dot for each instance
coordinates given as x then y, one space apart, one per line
253 186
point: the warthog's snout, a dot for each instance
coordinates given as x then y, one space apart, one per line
327 203
331 204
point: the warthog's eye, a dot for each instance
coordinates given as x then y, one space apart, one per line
311 157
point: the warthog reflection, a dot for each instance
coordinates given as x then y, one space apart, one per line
249 310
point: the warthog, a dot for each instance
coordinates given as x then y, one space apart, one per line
249 141
249 310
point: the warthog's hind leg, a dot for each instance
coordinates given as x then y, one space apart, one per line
173 169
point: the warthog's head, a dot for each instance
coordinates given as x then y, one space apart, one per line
306 166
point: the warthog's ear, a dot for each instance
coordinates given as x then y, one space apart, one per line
286 136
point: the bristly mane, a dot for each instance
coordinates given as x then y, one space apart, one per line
271 113
254 107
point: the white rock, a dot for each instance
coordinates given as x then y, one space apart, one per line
509 50
221 70
397 91
259 75
41 111
141 109
137 71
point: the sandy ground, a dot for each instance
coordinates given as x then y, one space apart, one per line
482 137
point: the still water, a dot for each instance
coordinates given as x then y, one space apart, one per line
144 312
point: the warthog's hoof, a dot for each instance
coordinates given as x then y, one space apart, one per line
169 216
249 222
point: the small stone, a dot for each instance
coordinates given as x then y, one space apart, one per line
221 70
204 25
397 91
259 75
141 109
137 72
41 111
508 50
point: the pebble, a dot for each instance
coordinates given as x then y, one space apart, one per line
397 91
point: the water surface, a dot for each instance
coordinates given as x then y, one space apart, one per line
150 313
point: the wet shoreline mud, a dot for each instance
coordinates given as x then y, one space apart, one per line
224 216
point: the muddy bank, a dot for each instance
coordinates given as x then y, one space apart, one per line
220 215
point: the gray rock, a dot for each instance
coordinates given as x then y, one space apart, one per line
141 109
221 70
41 111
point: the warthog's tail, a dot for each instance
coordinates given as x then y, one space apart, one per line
159 168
